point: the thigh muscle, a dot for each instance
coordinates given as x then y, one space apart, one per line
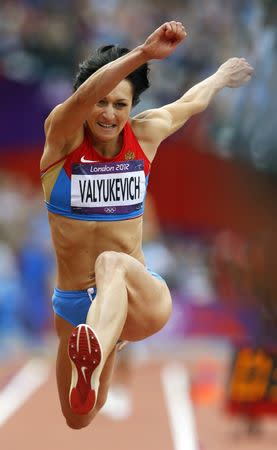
149 301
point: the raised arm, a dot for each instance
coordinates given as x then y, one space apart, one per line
153 126
67 118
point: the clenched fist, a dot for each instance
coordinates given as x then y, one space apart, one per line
164 40
235 72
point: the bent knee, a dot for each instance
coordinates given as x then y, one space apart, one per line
110 260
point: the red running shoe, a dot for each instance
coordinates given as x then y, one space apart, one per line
85 354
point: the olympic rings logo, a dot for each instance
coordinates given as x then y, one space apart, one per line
110 210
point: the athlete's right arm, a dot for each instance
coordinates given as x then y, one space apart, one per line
66 119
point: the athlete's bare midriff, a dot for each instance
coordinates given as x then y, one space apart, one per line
77 244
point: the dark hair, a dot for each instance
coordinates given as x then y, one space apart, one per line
104 55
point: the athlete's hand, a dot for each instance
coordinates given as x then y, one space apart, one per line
164 40
235 72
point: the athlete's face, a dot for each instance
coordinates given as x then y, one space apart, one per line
109 116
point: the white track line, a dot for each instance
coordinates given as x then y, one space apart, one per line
21 387
179 407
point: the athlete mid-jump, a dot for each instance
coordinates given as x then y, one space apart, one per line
95 169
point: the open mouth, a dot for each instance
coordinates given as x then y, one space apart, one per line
105 125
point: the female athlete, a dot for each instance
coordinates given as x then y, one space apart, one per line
95 169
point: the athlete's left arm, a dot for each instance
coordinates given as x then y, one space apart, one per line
155 125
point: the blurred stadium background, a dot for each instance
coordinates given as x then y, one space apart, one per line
210 225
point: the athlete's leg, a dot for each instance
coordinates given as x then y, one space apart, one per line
130 304
129 299
63 373
87 354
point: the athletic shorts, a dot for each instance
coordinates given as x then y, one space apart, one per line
73 306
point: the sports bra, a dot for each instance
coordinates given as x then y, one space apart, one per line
86 186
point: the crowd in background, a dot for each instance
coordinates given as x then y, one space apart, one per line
201 270
45 41
26 266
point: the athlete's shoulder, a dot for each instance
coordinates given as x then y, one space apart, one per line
150 128
52 135
139 126
152 120
49 119
54 151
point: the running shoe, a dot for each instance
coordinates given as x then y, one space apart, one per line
85 354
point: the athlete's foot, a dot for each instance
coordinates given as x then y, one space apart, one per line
85 354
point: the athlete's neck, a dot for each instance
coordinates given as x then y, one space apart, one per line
108 149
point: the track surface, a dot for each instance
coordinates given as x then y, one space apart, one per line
39 425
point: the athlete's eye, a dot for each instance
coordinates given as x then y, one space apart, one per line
120 105
101 103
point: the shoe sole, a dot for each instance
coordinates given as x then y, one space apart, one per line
85 354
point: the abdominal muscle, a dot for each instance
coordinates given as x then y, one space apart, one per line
78 243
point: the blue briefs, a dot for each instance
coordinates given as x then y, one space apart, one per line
73 306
